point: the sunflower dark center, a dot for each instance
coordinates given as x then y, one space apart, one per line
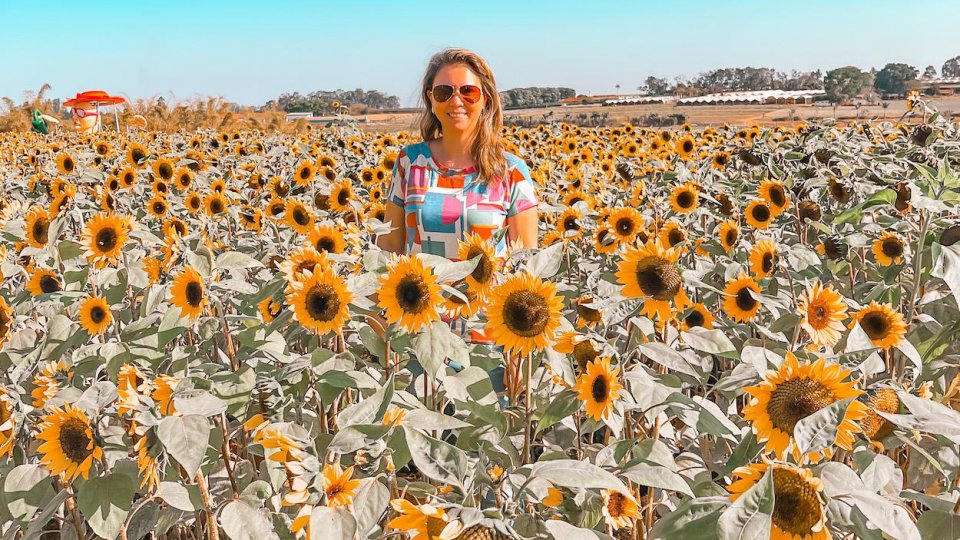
327 244
875 324
625 226
658 278
777 196
165 170
97 314
138 154
616 504
159 207
322 302
685 199
74 440
695 318
49 284
40 230
107 239
194 293
300 217
767 262
687 146
600 389
761 213
731 237
570 224
584 353
675 236
745 300
484 269
343 197
796 399
305 173
216 206
588 313
68 164
526 313
892 247
796 508
413 294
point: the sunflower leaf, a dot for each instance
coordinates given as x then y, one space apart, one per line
751 515
186 439
435 344
884 515
695 519
437 459
242 521
106 501
819 430
332 524
546 262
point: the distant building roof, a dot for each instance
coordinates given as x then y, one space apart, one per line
756 96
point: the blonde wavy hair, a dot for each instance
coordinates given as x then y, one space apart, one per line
488 150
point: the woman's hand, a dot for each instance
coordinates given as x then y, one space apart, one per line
394 240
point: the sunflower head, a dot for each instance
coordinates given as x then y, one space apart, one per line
320 301
798 512
524 313
410 294
650 270
95 316
599 387
68 446
741 301
885 327
188 293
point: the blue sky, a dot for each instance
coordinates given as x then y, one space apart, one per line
249 52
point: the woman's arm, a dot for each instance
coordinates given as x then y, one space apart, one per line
394 240
524 227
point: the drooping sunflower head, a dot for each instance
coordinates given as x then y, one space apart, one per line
320 301
741 301
650 270
586 315
43 281
410 294
763 258
729 234
524 313
598 388
68 446
798 512
885 327
888 249
95 316
188 293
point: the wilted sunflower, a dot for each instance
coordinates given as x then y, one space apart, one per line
822 311
320 301
598 388
619 509
740 301
888 249
65 163
410 294
104 237
304 174
37 225
480 280
95 316
147 463
685 199
798 513
338 486
299 217
420 522
43 281
327 238
131 384
729 234
524 313
794 392
188 293
773 192
763 258
625 223
884 326
68 447
758 214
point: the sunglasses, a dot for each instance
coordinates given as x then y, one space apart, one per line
81 113
443 92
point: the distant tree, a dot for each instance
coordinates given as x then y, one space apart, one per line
517 98
656 86
951 68
845 83
930 72
892 79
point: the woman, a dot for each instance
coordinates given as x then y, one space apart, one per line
459 180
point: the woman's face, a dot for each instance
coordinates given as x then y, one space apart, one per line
457 114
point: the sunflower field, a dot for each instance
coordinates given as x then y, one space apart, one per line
726 332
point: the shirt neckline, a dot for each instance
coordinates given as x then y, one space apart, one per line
443 169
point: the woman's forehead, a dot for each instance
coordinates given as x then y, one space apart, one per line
456 74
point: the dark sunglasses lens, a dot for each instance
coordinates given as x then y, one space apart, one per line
471 94
442 92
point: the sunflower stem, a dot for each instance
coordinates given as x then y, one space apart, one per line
213 532
225 452
527 431
917 260
71 505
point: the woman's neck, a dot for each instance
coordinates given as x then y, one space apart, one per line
456 149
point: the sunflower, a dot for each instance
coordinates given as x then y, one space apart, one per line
131 382
193 202
137 155
574 196
758 214
729 234
699 316
251 218
215 204
719 160
685 199
128 177
68 446
147 463
43 281
298 216
581 347
65 163
95 316
598 388
822 311
794 392
102 148
37 225
163 168
301 260
340 196
104 237
163 389
304 174
320 301
182 179
269 309
685 147
338 486
741 302
586 315
570 223
650 270
188 293
480 280
8 424
604 240
763 258
420 522
6 321
619 509
327 238
884 326
157 207
888 249
798 513
553 499
524 313
671 234
410 294
284 449
874 426
775 195
625 224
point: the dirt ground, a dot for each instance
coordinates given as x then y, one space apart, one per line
700 115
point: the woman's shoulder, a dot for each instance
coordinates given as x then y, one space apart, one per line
515 162
413 151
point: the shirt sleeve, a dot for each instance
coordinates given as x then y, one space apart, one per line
523 190
398 181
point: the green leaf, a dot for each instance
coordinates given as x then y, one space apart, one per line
106 501
242 521
694 519
708 341
450 271
750 516
332 524
236 259
546 262
939 525
179 496
27 488
369 503
437 459
883 514
565 531
819 430
576 474
561 405
368 410
435 344
185 438
948 269
199 403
